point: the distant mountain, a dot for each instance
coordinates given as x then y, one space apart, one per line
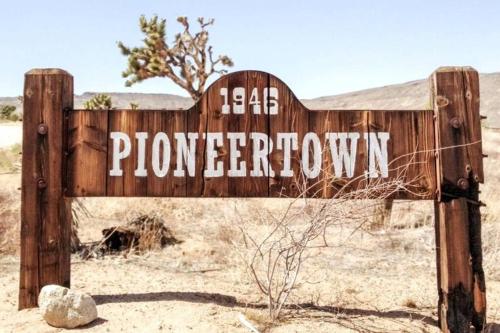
145 101
412 95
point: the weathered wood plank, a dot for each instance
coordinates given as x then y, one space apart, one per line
462 294
216 146
459 132
169 122
472 124
410 157
197 122
455 272
45 226
129 123
338 180
291 117
254 119
87 153
222 110
411 161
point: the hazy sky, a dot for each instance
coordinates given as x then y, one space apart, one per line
317 47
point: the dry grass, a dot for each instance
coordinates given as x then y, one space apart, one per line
10 159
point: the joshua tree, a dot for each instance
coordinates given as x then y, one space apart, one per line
189 61
98 102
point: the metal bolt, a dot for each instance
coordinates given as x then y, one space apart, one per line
41 183
42 129
455 122
463 183
483 117
468 168
485 155
476 178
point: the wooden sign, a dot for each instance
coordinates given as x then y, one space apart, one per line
249 136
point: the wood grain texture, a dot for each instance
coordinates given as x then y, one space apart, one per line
87 147
248 186
456 103
455 271
217 122
410 156
168 122
197 122
329 184
45 224
292 117
461 285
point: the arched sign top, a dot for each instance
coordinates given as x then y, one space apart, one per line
253 91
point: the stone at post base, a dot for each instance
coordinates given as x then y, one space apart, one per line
65 308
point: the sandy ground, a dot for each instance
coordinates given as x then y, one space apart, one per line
10 133
382 281
369 281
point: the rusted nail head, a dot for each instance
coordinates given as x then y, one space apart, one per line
41 183
455 122
43 129
463 183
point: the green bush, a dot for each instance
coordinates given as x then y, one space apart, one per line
8 112
99 102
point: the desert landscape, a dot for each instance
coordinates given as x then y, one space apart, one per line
371 277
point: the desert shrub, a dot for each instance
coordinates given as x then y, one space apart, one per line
99 102
275 259
142 233
8 112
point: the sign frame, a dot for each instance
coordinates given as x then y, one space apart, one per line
63 146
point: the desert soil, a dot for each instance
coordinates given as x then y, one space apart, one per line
10 133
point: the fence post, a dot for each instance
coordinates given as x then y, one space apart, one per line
462 291
45 215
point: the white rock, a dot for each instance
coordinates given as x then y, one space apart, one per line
62 307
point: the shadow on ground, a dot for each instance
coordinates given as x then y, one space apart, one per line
492 328
323 312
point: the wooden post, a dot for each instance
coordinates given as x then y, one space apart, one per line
45 224
462 292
